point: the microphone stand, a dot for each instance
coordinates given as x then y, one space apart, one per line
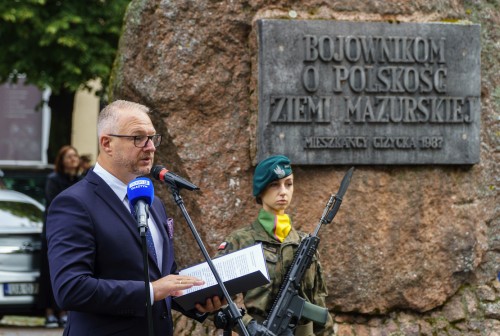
142 232
232 312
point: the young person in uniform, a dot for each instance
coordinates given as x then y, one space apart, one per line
273 188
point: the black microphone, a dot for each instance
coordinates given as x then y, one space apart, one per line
164 175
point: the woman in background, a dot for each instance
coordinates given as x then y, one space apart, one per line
66 173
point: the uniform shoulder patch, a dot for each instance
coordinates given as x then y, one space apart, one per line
222 246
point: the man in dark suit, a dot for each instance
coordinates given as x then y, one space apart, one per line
94 245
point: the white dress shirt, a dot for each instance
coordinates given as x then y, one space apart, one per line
120 189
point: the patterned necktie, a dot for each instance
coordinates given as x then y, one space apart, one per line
149 238
151 244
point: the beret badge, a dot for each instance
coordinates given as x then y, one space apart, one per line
280 172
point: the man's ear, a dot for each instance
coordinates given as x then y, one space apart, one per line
105 144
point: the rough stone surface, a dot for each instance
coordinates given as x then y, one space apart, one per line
454 310
406 240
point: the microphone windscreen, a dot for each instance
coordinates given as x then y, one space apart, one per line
140 188
156 170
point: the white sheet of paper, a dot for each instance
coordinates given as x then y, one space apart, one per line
229 266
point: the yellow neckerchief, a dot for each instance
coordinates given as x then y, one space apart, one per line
276 226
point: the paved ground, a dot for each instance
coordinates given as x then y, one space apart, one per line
19 325
33 331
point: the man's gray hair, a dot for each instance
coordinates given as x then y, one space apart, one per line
108 117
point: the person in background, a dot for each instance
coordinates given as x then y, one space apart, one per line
273 183
85 163
65 174
95 250
2 183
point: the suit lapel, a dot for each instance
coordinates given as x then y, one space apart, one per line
108 196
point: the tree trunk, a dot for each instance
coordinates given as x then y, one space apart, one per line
61 105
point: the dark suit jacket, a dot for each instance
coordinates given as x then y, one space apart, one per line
96 263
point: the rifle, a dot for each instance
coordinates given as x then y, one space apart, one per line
289 307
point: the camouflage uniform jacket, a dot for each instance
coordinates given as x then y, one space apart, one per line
258 301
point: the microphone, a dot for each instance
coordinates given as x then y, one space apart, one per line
140 193
164 175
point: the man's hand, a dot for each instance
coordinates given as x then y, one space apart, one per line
211 305
173 285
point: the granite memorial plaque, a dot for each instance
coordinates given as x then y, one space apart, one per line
333 92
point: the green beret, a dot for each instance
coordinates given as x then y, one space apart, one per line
271 169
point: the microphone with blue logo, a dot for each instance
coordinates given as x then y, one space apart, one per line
140 193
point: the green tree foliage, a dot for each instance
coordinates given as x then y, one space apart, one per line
61 44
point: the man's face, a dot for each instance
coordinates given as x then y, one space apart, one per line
278 195
130 161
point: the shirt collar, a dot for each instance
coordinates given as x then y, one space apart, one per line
119 188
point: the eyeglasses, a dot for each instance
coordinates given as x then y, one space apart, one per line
141 141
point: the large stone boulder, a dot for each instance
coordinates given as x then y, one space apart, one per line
406 238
